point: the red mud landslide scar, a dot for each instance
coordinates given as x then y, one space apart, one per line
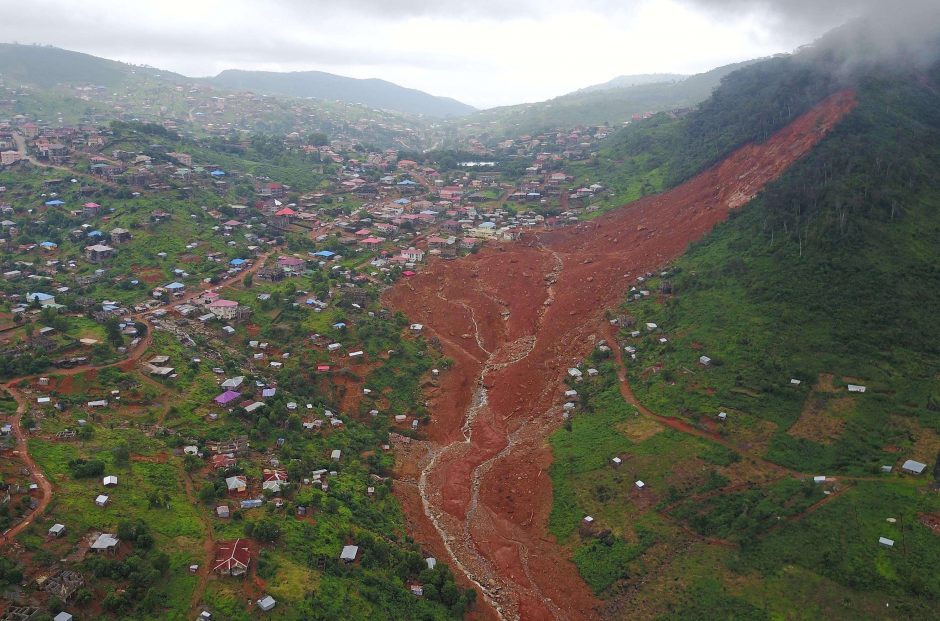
513 317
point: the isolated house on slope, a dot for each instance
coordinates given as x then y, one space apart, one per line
232 558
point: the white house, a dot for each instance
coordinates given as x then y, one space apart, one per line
913 467
224 309
102 500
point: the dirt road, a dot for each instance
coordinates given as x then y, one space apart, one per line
513 317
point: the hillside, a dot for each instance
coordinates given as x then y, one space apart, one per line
624 81
612 106
46 67
825 280
320 85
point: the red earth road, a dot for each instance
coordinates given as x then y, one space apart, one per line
513 317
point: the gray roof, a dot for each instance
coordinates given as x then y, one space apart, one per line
266 603
349 553
105 541
913 466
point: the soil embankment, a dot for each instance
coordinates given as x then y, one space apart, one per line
513 318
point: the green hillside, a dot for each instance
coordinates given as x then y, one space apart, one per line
47 66
829 278
595 107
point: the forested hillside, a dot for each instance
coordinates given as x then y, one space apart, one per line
827 280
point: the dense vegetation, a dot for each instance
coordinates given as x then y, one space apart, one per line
830 278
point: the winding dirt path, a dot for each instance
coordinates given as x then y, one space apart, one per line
512 318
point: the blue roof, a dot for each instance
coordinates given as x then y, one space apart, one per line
339 325
237 262
324 253
217 173
402 201
54 203
406 182
42 297
175 285
48 244
488 225
96 234
310 300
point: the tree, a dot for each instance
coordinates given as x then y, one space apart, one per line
121 454
30 329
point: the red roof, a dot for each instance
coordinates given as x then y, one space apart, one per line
232 555
287 211
223 304
222 461
274 475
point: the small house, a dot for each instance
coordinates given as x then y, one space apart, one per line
349 554
640 484
105 543
913 467
856 388
885 542
63 616
266 603
232 558
704 360
110 481
336 454
56 530
237 484
102 500
222 511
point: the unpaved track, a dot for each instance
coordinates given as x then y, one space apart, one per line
512 318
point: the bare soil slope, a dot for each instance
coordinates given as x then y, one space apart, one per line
513 318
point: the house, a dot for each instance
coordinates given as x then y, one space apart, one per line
222 461
856 388
232 558
640 484
105 543
110 481
99 253
222 511
913 467
44 299
227 397
413 255
266 603
119 236
56 530
233 382
291 265
704 360
102 500
63 616
224 309
336 454
237 484
349 553
885 542
273 479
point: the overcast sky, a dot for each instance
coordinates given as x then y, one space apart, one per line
482 52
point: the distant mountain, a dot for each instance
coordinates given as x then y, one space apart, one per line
370 92
625 81
46 66
595 107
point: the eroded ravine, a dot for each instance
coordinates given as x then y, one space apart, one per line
512 318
